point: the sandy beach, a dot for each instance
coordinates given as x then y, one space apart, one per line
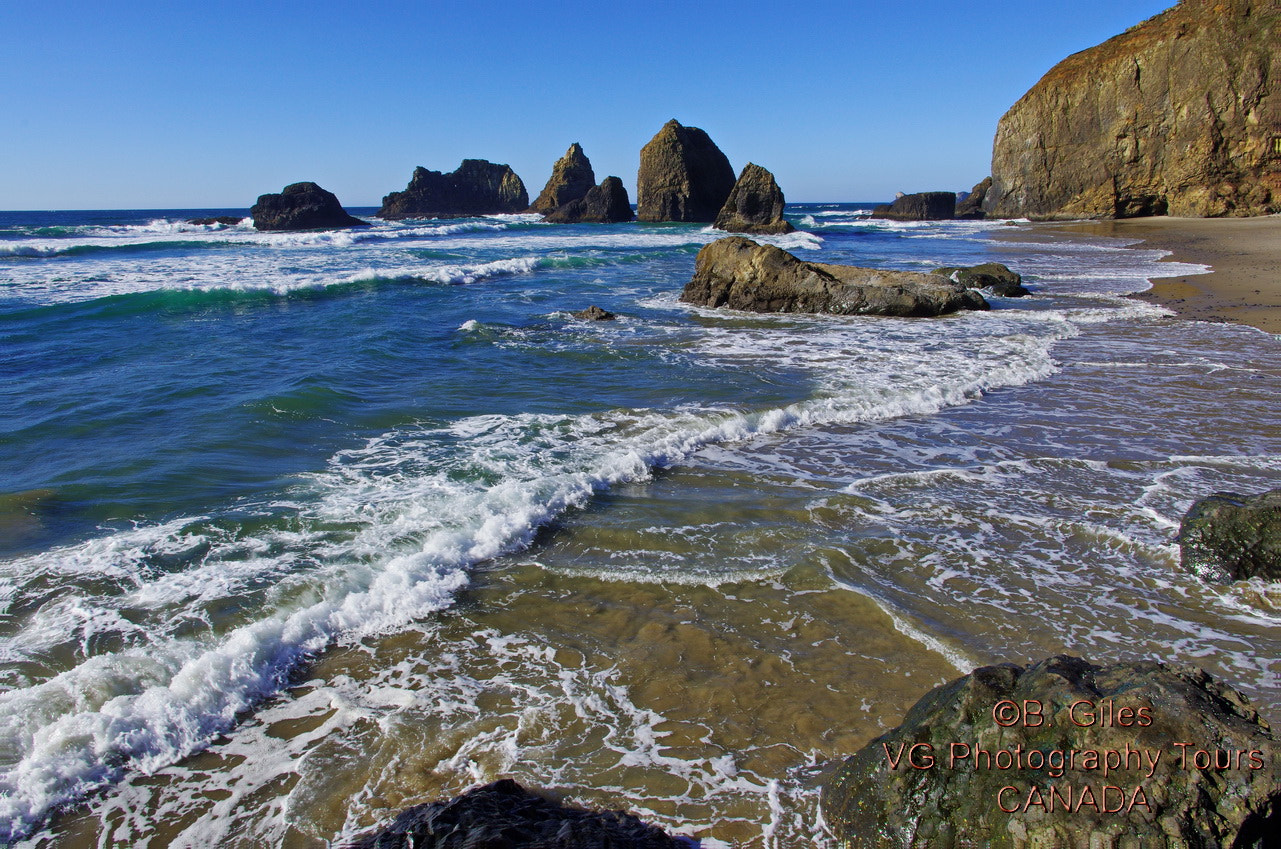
1244 253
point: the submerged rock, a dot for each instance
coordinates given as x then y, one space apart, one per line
683 176
604 204
594 313
572 178
922 206
740 274
1179 115
971 208
504 815
989 275
301 206
1000 758
1230 537
477 187
228 220
755 205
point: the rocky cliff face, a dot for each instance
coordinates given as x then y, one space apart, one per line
572 178
1180 115
478 187
302 206
683 176
755 204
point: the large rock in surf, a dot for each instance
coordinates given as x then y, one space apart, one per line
922 206
683 176
1010 757
302 206
603 204
478 187
504 815
572 178
971 207
755 204
1229 537
988 275
1179 115
740 274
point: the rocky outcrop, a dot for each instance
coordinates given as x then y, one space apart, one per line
1066 754
1230 537
224 220
1176 116
740 274
971 207
302 206
572 178
478 187
683 176
755 205
594 313
989 275
922 206
504 815
604 204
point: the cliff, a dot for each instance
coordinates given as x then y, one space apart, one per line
1180 115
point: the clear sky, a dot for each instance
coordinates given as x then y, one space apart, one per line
181 104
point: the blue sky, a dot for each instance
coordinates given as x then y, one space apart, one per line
209 104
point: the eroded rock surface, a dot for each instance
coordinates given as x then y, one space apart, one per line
603 204
1231 537
302 206
477 187
921 206
754 205
995 276
572 178
683 176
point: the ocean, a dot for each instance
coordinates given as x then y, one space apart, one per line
298 529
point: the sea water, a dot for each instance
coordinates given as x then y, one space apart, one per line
298 529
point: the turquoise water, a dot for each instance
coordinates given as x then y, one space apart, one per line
293 500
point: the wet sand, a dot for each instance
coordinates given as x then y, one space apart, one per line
1245 253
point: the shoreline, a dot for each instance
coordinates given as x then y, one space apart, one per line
1244 255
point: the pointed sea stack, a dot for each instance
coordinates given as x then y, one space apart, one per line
683 176
604 204
572 178
478 187
302 206
1179 115
755 205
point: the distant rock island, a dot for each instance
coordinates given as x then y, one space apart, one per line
1179 115
572 178
755 205
302 206
683 176
920 206
477 187
604 204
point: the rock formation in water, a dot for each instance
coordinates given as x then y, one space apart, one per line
594 313
755 205
572 178
1179 115
478 187
989 275
302 206
926 783
1230 537
922 206
504 815
971 208
225 220
740 274
683 176
603 204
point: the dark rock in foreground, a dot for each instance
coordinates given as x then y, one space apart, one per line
1230 537
740 274
971 208
989 275
1220 788
302 206
228 220
477 187
755 205
594 313
572 178
504 815
683 176
603 204
922 206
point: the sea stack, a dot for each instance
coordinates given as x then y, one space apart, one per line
1180 115
921 206
971 208
755 205
478 187
603 204
302 206
572 178
683 176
